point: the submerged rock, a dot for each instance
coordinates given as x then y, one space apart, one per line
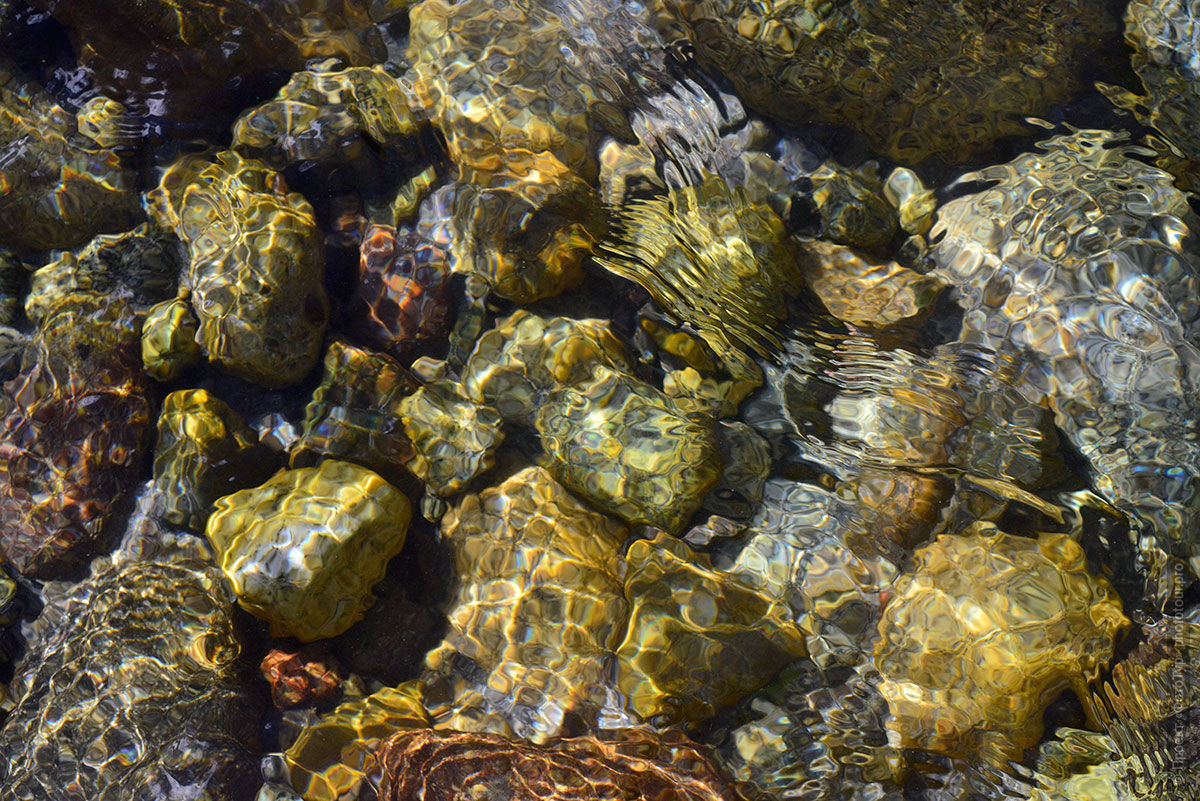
180 59
136 691
72 441
916 79
521 91
141 265
169 343
634 765
699 639
328 114
1078 261
257 264
303 677
537 611
205 451
712 257
355 412
625 447
336 756
59 189
402 297
525 356
984 632
453 439
303 549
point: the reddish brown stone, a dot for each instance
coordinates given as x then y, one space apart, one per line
73 438
402 294
305 677
637 765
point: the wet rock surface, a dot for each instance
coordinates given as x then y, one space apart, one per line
590 400
138 690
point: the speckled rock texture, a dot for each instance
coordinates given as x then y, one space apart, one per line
626 448
916 79
303 549
138 691
984 632
73 437
635 765
537 612
256 265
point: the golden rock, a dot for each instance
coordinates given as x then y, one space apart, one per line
204 452
984 632
538 608
626 448
257 264
711 257
861 291
453 439
169 340
525 356
916 79
303 550
355 412
699 639
324 114
336 756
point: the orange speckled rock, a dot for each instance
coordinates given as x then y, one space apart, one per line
402 296
301 678
636 765
985 632
72 442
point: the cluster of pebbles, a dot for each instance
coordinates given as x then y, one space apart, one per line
548 399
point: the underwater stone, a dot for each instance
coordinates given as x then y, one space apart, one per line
402 297
142 265
538 608
1078 263
59 188
107 123
699 639
805 738
303 549
325 114
13 278
257 264
180 59
205 451
634 765
916 79
169 340
304 677
984 632
453 439
521 92
136 691
355 412
525 356
72 441
335 757
626 448
712 257
862 291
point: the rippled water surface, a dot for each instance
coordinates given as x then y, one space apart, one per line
589 400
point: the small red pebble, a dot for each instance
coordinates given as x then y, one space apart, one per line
301 678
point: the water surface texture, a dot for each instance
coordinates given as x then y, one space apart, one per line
597 400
